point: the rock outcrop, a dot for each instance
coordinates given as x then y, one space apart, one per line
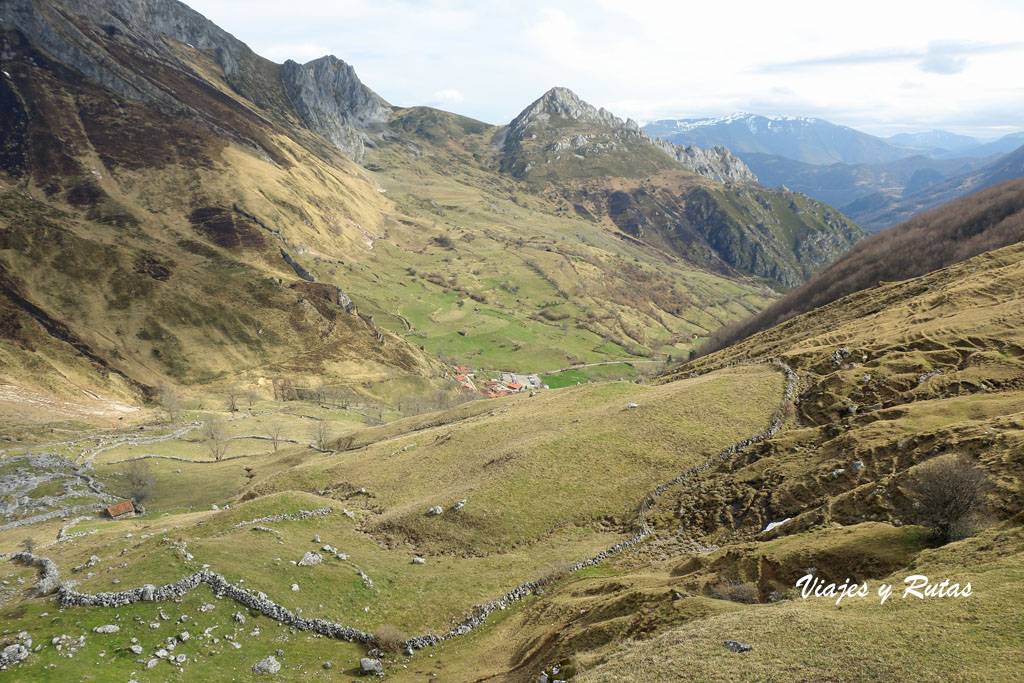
564 126
334 102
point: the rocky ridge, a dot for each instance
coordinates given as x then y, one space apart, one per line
325 93
550 116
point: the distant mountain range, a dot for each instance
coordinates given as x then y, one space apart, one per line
877 181
841 184
935 139
811 140
817 141
881 210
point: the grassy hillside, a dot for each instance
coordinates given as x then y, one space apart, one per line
534 504
890 378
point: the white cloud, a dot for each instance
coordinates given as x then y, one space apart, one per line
661 58
446 98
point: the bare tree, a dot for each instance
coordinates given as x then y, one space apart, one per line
273 432
251 396
947 492
139 481
233 400
216 438
169 401
320 392
28 544
321 433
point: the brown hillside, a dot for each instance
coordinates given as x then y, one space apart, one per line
983 221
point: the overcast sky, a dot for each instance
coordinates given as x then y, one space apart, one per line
883 66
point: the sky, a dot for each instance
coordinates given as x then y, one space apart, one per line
884 67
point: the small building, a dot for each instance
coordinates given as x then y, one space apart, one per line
121 509
514 386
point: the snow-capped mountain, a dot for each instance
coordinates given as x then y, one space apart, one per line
807 139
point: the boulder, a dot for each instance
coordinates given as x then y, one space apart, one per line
310 559
368 665
107 628
267 665
418 560
436 510
737 646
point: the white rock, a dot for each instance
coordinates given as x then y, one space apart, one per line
267 665
107 628
310 559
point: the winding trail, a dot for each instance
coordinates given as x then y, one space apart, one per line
68 596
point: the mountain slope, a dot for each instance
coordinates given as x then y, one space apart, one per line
584 141
172 215
935 140
881 210
222 190
810 140
1007 143
842 184
936 239
608 169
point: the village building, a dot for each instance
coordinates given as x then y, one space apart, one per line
121 509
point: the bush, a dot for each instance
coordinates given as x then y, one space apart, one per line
389 638
556 571
739 592
139 481
948 492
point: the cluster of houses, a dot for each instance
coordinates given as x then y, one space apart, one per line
507 382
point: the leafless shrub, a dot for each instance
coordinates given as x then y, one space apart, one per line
139 481
554 572
948 492
320 433
389 638
736 592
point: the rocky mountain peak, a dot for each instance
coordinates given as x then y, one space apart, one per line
562 103
565 123
333 102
